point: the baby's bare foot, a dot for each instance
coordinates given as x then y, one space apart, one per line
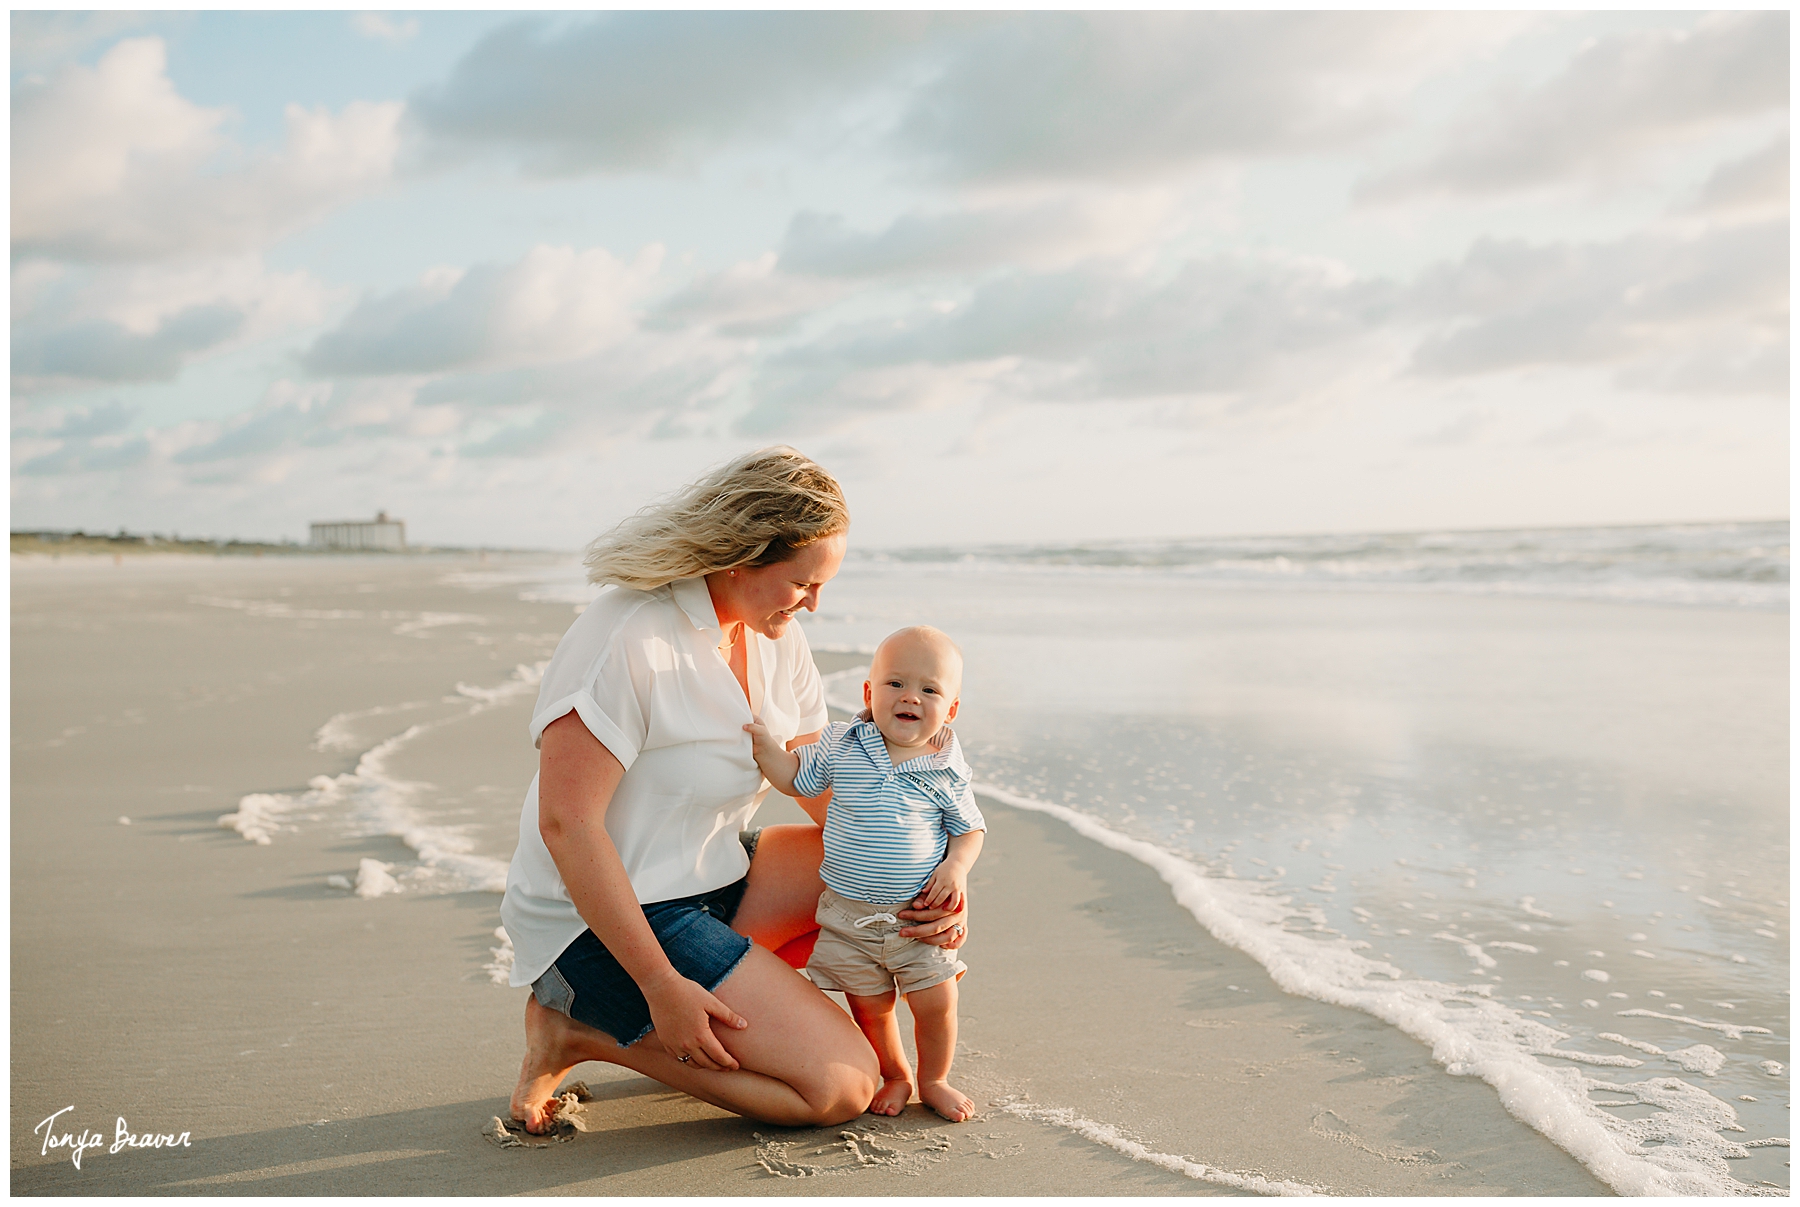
946 1100
892 1098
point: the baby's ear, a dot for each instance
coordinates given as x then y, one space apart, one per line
954 705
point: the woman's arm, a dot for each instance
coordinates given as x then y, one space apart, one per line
577 777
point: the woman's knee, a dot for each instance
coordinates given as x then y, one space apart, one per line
842 1093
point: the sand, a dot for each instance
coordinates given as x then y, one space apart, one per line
310 1042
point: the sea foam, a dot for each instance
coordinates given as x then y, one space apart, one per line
377 802
1677 1150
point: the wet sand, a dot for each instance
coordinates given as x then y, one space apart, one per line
311 1042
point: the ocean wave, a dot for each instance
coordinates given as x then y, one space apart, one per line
1676 1150
374 801
1709 565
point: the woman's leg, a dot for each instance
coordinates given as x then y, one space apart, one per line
783 893
803 1062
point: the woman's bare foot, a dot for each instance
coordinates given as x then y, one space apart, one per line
946 1100
892 1097
554 1044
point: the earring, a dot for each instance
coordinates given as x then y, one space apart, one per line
733 573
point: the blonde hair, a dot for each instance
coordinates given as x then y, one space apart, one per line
754 511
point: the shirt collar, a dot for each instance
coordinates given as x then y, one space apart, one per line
948 758
695 600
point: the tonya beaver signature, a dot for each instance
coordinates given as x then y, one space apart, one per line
122 1138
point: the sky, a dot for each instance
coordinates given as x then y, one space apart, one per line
1017 277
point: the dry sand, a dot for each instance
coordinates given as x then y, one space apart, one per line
311 1042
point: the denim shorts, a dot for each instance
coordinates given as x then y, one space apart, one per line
590 986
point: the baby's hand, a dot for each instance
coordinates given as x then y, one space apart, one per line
762 741
947 887
773 758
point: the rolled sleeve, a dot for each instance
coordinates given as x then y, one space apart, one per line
610 707
961 815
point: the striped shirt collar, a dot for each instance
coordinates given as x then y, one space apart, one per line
947 757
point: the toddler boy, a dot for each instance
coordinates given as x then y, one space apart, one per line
901 827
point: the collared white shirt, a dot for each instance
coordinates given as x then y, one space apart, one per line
642 670
887 827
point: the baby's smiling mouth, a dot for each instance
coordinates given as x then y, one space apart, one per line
906 716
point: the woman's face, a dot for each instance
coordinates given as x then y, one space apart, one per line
766 597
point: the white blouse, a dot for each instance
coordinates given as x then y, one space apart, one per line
643 672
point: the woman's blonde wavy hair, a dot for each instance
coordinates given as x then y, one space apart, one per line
754 511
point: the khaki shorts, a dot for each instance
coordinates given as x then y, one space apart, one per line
873 959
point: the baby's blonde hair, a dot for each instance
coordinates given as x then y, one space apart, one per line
754 511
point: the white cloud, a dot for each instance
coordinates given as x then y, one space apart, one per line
1623 97
1758 183
1705 313
1007 97
749 298
44 40
119 323
384 28
1050 233
1063 95
111 163
554 304
625 91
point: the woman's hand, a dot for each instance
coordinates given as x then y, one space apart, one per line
680 1011
946 928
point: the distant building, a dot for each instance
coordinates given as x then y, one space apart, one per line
378 533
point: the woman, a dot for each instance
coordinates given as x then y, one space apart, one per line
643 914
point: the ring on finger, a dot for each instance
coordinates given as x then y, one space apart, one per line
684 1059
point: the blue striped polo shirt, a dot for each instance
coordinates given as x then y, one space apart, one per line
887 827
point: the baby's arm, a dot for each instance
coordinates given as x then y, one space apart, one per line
949 884
776 762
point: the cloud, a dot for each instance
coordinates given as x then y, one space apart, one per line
1464 429
1648 300
76 423
633 386
1061 95
1624 96
553 304
750 298
118 323
630 91
1216 325
103 420
111 163
84 457
1051 232
1010 97
42 41
1663 310
103 351
384 28
1755 183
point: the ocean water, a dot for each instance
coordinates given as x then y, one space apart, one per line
1521 795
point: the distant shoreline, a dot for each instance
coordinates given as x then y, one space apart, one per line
85 544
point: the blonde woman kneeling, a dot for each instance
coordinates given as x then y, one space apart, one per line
655 929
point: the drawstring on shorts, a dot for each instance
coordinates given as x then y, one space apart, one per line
872 919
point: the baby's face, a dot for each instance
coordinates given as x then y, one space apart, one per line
913 687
